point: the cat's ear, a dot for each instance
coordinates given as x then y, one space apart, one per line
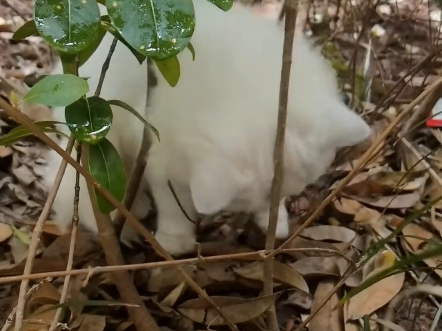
212 185
346 127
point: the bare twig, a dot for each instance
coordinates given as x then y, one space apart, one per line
105 66
134 182
70 262
278 153
140 316
32 290
249 256
38 230
360 164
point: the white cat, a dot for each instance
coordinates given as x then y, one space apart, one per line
218 125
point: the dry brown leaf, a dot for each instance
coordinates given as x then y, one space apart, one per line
5 232
378 294
238 310
328 318
314 266
300 299
40 319
347 206
51 227
281 273
392 202
5 151
93 323
329 232
412 232
388 324
171 299
24 175
437 223
221 271
47 294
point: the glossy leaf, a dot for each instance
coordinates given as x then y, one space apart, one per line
22 131
106 167
106 24
134 112
57 90
223 4
26 30
68 25
88 51
192 50
89 119
170 69
157 28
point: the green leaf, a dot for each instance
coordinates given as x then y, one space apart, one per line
106 167
170 69
88 51
57 90
24 237
107 25
22 131
26 30
157 28
68 25
134 112
223 4
89 119
192 50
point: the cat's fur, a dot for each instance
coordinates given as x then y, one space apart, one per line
218 125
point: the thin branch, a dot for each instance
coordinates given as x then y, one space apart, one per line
249 256
38 229
105 66
140 316
361 163
134 182
32 290
19 117
278 154
70 262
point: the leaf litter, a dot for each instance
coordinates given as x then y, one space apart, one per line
369 208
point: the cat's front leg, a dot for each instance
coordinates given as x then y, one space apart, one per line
282 226
174 231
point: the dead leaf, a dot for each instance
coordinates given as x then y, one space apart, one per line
93 323
24 175
5 232
47 294
315 266
300 299
238 310
171 299
392 202
168 277
5 151
388 324
378 294
329 232
328 318
42 316
281 273
412 234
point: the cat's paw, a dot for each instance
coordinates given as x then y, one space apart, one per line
176 244
282 226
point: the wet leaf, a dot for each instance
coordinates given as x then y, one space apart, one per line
238 310
107 168
89 119
328 318
57 90
5 232
26 30
223 4
106 24
86 53
135 113
157 28
170 69
68 25
281 273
